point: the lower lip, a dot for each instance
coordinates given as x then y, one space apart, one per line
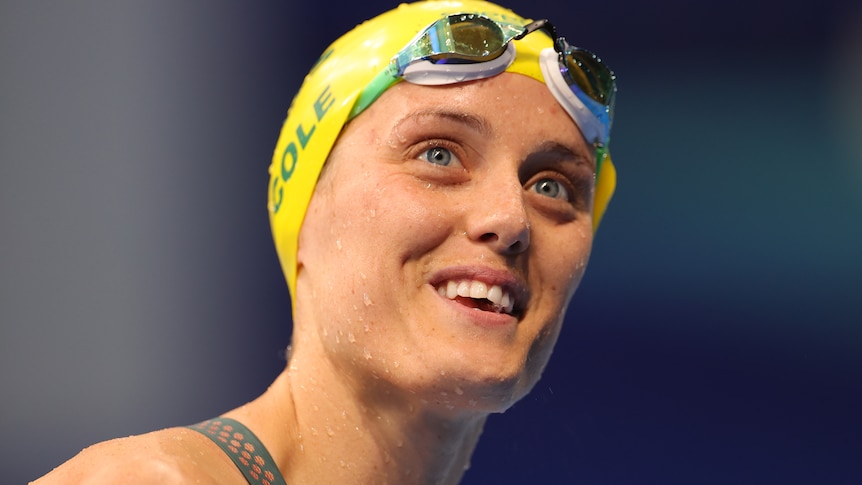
481 318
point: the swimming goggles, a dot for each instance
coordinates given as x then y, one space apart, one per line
466 47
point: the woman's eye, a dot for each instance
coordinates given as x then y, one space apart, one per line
550 188
438 156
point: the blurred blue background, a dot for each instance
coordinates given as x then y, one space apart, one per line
715 339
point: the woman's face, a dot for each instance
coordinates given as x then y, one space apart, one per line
445 239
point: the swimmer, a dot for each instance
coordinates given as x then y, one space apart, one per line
433 197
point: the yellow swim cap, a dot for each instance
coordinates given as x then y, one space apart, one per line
329 92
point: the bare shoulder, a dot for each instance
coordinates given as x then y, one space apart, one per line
169 456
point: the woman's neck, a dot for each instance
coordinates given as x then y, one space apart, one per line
322 428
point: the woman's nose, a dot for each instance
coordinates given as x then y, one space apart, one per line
499 218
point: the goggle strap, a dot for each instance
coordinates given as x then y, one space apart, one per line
381 82
601 154
542 24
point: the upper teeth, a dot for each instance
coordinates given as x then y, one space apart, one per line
501 299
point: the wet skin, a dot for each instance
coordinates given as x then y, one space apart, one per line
488 182
393 371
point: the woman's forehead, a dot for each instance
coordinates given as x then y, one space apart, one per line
507 104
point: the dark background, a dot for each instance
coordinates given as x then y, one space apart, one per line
715 338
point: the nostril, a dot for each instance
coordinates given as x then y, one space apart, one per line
489 237
516 246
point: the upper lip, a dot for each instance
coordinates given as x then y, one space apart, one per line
507 280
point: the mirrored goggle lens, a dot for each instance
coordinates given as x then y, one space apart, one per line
478 37
463 37
586 70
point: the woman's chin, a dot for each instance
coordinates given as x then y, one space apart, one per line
467 389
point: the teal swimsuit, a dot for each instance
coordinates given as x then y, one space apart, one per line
243 447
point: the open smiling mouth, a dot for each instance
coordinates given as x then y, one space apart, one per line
478 295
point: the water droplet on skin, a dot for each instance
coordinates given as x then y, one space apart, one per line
395 364
367 299
373 212
338 244
351 338
366 353
329 431
361 275
459 391
313 431
366 327
472 403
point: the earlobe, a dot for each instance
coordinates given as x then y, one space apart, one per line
299 259
300 254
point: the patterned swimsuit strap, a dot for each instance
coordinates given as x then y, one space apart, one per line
243 447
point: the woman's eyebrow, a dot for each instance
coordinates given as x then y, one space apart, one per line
475 123
563 151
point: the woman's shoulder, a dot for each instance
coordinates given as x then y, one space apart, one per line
168 456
